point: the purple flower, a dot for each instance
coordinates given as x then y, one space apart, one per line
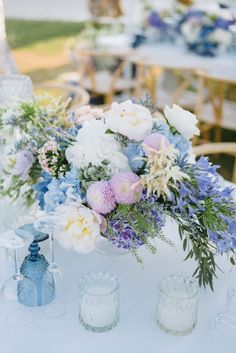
155 20
100 197
123 234
126 187
23 162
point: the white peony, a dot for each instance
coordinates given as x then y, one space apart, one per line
93 145
131 120
80 228
182 120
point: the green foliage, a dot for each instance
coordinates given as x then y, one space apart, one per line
148 103
93 173
196 244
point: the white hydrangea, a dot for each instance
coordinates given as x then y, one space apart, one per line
129 119
182 120
93 145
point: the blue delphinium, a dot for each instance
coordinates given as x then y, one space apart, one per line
203 201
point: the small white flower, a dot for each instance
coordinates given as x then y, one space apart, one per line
94 145
182 120
80 228
131 120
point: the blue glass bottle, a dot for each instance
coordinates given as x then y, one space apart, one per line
35 268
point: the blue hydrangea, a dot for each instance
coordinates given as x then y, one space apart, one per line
64 189
42 187
179 142
132 151
162 127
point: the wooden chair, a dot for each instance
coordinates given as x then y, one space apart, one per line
79 96
103 82
228 148
217 112
165 86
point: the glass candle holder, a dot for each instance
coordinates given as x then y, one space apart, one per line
226 319
15 88
99 302
177 305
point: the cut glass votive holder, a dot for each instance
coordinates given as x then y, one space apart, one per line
177 305
15 88
99 301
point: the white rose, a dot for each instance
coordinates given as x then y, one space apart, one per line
80 228
182 120
94 145
131 120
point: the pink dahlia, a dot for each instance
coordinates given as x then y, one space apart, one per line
126 187
100 197
156 142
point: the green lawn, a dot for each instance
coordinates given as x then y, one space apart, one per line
24 33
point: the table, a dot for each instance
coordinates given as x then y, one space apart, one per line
165 55
137 331
173 56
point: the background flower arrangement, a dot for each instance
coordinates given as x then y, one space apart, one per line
207 32
118 174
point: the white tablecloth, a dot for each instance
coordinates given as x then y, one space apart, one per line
174 56
137 331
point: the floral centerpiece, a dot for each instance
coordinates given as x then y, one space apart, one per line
118 174
207 32
160 25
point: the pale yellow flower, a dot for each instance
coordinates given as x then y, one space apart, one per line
163 173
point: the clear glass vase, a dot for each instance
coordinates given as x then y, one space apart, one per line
226 319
